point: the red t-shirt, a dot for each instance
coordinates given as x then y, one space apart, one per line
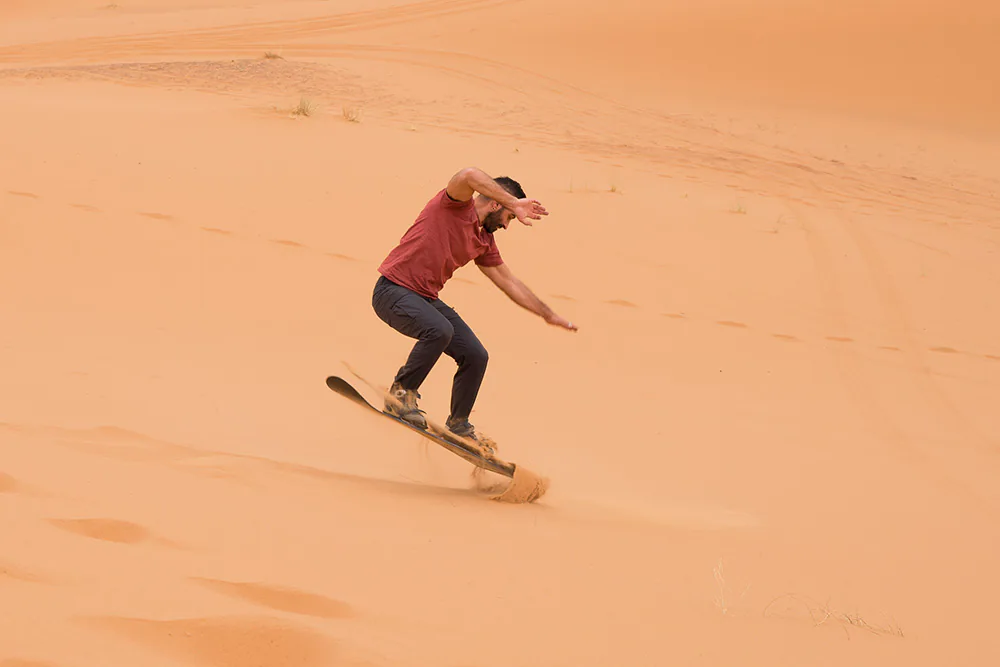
445 236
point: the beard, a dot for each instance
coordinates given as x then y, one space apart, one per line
492 221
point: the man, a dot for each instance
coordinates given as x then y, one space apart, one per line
453 229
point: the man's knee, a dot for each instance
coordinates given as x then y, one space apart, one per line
440 333
477 356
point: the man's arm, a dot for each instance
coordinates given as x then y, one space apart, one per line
471 180
522 296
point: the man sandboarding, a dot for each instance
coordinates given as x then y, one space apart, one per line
453 229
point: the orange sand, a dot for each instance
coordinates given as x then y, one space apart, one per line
773 441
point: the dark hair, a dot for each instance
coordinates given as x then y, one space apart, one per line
511 186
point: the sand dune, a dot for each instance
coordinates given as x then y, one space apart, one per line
773 440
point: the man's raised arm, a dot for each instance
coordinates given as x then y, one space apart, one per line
470 180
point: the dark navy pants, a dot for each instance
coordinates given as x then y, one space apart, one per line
437 329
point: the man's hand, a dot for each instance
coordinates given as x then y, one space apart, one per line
558 321
527 210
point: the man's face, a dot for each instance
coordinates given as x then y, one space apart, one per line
499 218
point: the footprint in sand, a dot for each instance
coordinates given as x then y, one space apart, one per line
563 297
86 207
786 337
8 571
7 483
945 350
840 339
291 244
216 230
108 530
281 598
730 323
29 195
337 255
227 641
157 216
622 302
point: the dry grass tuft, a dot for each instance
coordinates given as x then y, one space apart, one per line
823 613
305 107
351 114
720 580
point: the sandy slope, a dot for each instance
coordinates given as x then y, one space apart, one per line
772 442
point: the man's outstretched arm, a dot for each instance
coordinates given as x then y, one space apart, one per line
471 180
522 296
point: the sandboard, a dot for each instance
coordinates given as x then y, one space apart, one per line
476 458
525 487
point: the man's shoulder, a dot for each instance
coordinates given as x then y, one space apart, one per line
443 198
442 203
